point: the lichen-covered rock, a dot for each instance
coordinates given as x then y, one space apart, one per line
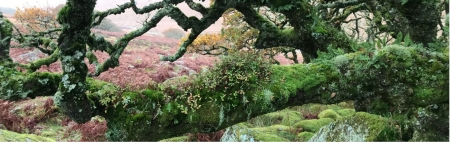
360 126
431 123
6 136
329 113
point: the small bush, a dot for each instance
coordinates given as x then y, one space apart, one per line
108 25
238 72
174 33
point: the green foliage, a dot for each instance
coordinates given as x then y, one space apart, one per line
16 85
62 15
305 136
237 73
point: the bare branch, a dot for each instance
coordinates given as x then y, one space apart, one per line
213 14
196 6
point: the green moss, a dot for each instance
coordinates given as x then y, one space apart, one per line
346 112
267 137
176 139
285 117
377 126
273 128
305 136
13 136
378 106
209 114
313 125
329 113
360 126
290 77
44 61
63 14
426 96
130 95
153 95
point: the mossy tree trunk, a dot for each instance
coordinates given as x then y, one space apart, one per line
71 96
5 39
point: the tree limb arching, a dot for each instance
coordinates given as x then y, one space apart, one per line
197 26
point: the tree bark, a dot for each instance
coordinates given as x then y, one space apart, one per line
5 39
71 96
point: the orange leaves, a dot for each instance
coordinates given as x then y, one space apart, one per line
36 18
205 42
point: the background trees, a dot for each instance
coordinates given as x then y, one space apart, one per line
409 76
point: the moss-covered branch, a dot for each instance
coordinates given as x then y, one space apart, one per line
44 61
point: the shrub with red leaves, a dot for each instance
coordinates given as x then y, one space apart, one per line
215 136
17 123
310 116
10 121
93 130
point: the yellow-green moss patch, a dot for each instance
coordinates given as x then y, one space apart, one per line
329 113
305 136
6 136
313 125
346 112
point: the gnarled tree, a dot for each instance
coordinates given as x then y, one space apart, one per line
405 76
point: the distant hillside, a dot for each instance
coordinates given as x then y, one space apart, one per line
7 10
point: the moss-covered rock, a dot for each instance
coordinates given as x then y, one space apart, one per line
284 117
329 113
305 136
241 132
6 136
313 125
273 128
360 126
346 112
176 139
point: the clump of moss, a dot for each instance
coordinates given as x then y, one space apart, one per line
285 117
13 136
305 136
313 125
329 113
346 112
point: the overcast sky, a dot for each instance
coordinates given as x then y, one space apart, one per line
21 3
53 3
